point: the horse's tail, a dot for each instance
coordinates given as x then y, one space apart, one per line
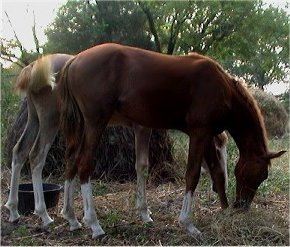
71 120
35 76
23 80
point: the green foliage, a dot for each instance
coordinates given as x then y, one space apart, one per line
284 99
275 116
82 24
9 100
259 50
10 47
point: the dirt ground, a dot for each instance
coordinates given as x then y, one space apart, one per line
266 223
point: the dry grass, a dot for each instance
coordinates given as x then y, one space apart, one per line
265 224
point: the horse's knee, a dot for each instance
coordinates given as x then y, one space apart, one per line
19 156
142 168
37 161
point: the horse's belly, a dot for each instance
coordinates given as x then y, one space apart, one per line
161 116
119 120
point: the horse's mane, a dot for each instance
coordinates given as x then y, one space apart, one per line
246 95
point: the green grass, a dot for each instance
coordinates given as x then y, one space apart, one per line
112 218
100 188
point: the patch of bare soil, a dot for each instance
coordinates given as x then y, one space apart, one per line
265 224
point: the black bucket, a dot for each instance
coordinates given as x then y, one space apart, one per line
26 197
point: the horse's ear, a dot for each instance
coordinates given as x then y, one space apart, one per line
273 155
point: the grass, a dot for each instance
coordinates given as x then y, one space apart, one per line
264 224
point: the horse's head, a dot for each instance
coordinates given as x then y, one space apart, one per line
249 175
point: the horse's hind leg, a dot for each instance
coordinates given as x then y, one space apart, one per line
48 127
19 157
69 189
142 138
90 139
216 162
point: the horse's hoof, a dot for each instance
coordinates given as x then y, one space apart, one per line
75 226
47 223
145 215
98 234
192 230
14 217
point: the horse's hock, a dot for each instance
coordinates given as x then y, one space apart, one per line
115 156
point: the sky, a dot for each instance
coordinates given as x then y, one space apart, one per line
20 13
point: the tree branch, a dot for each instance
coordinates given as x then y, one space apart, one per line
34 34
15 35
151 25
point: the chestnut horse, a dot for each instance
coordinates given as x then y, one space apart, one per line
36 81
190 93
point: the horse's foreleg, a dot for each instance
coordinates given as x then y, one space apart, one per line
142 138
19 157
37 157
198 141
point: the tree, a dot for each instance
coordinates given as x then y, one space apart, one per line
259 51
11 48
243 37
180 27
82 24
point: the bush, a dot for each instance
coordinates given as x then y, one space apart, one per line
275 116
9 103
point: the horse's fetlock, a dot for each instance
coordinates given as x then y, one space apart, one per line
39 210
184 220
11 205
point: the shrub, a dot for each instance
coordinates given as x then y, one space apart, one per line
275 116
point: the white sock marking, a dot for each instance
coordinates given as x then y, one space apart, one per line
185 215
90 217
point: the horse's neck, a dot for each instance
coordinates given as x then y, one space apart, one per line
248 133
249 143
